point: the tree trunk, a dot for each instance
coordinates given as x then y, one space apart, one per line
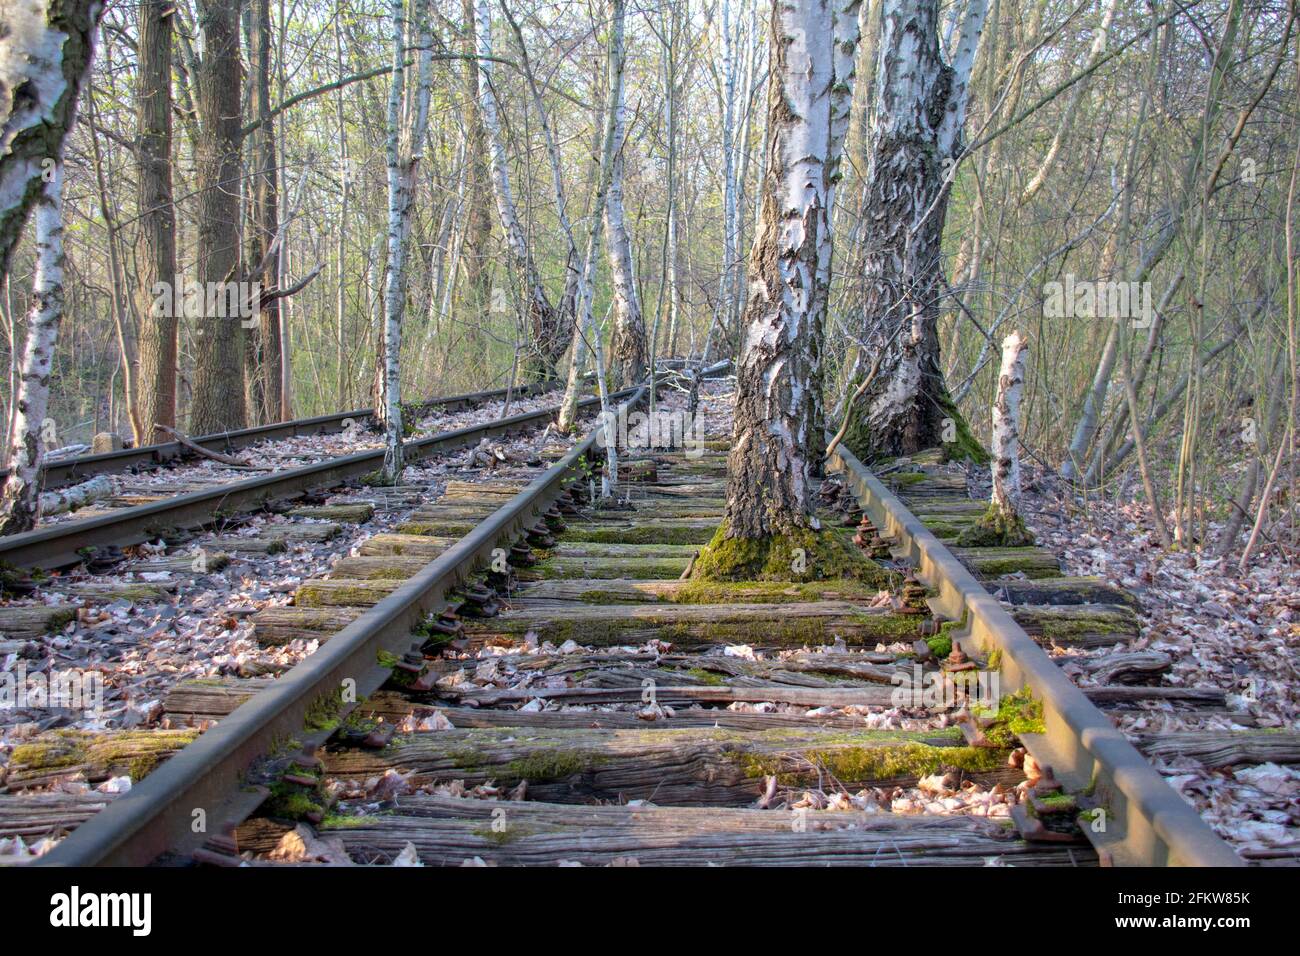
920 111
545 322
1001 525
768 471
405 148
45 50
218 403
586 334
19 500
264 348
628 345
155 247
476 254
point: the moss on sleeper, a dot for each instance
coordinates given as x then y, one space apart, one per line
823 555
1018 713
642 534
865 764
775 592
544 765
136 751
706 677
996 528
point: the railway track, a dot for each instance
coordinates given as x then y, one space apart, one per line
174 510
518 675
59 472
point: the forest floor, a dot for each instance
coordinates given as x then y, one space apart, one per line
1236 632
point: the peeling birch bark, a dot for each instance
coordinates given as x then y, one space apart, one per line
1001 526
45 50
19 500
768 483
915 138
405 148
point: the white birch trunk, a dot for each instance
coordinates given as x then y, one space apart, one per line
768 473
1006 426
404 149
45 52
78 496
628 346
541 315
725 285
19 500
585 334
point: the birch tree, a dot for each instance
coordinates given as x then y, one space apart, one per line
408 122
915 139
45 51
628 347
769 529
20 496
586 336
1001 525
545 321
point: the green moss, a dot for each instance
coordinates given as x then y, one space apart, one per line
1057 802
706 677
136 751
940 644
340 821
825 556
323 713
996 528
905 478
60 619
500 837
1018 713
865 764
626 568
778 592
965 446
643 534
328 594
1077 627
544 765
293 802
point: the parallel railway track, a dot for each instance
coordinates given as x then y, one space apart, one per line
63 471
636 717
63 543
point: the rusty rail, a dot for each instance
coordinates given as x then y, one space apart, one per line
1147 824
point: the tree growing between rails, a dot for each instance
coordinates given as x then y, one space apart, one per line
1001 525
769 531
915 139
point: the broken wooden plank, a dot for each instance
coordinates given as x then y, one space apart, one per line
280 624
685 767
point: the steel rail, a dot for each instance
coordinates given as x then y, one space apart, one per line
58 545
63 471
1147 823
205 780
